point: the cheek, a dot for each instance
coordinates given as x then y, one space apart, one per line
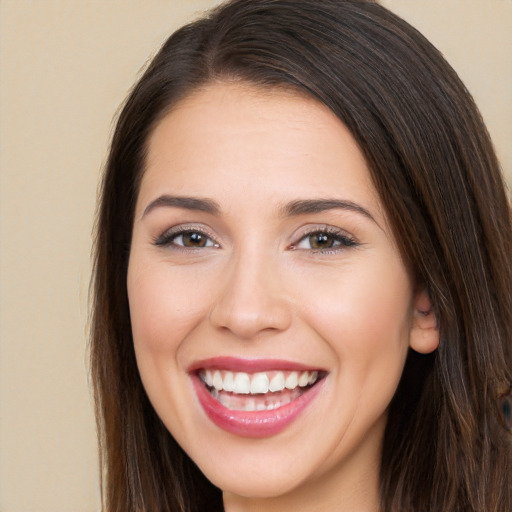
164 306
364 315
164 310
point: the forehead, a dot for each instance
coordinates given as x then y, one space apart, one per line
248 115
243 109
270 141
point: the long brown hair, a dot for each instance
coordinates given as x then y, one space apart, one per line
434 167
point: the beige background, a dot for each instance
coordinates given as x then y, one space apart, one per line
65 66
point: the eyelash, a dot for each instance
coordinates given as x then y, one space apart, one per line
338 237
342 240
168 238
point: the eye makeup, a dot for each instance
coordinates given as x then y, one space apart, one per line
186 237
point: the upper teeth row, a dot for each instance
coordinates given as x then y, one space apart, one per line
245 383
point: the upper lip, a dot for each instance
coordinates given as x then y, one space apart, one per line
236 364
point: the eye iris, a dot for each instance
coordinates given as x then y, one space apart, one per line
321 241
194 239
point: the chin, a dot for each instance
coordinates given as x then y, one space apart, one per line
257 486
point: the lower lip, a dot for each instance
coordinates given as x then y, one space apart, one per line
255 424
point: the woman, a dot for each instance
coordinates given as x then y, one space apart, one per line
302 288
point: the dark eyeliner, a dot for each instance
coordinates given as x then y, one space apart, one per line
345 241
167 238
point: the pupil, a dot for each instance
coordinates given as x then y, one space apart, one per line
321 241
194 240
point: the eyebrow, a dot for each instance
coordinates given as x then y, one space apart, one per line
305 206
294 208
187 203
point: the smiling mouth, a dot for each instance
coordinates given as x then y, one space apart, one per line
260 391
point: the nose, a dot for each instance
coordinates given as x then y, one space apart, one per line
251 300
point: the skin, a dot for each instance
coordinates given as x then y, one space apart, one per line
259 290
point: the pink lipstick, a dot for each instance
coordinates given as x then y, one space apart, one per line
254 398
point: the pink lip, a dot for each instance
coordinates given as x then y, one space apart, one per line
254 424
236 364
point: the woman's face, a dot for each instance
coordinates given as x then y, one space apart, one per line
270 307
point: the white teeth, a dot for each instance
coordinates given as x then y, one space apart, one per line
223 399
253 403
208 379
250 405
217 380
277 382
242 384
229 383
259 383
292 381
304 379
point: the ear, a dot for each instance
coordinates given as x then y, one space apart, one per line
424 335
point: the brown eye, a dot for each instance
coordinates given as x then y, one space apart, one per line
324 240
321 241
186 239
193 239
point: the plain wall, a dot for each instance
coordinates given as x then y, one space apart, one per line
65 66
